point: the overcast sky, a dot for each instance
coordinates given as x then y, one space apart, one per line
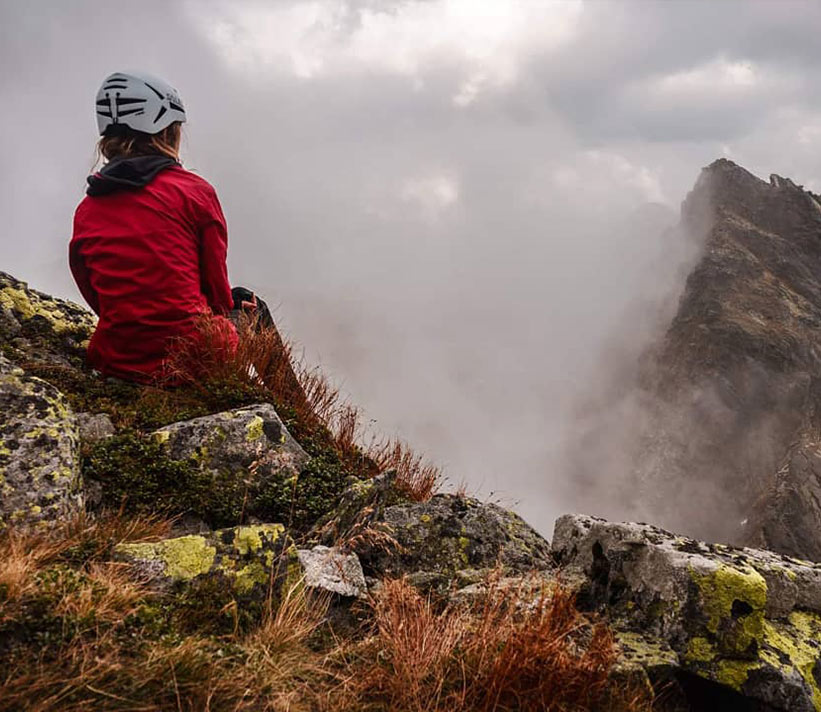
447 200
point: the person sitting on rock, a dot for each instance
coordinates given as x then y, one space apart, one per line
149 247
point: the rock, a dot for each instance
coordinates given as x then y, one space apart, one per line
433 542
245 559
744 619
362 505
39 469
329 569
787 518
42 327
94 427
249 445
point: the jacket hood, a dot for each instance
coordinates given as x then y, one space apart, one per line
127 173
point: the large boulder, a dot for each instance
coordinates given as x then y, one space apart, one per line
436 543
39 469
747 621
248 445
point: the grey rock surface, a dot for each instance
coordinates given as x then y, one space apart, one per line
248 444
788 517
39 468
746 619
435 541
94 427
39 326
329 569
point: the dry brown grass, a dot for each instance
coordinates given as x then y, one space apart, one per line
80 538
415 476
509 651
74 636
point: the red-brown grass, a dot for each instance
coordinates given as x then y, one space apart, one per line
417 477
261 360
515 649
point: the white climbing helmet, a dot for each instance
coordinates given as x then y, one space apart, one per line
138 100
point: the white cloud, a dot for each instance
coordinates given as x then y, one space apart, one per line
432 194
720 80
596 173
487 40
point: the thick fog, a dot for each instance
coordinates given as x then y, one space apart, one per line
458 207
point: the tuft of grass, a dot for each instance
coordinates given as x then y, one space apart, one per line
509 651
415 477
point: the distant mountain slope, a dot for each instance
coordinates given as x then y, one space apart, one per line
723 400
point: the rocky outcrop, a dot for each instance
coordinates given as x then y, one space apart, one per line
34 324
244 559
445 541
39 467
252 561
746 620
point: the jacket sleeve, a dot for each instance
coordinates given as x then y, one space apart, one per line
213 235
81 276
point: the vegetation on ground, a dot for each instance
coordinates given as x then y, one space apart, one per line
79 633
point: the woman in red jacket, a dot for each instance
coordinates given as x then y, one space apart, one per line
149 246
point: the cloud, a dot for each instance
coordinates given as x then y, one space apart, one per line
484 42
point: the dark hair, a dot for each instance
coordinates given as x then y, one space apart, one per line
120 141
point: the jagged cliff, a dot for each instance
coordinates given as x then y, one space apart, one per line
719 435
263 501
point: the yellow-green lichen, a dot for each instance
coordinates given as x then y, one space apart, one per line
253 431
160 436
27 305
722 591
254 574
733 673
183 557
793 639
17 301
639 649
249 539
700 650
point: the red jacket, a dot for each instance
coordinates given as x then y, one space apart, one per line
148 254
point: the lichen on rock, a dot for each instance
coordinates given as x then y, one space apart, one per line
34 324
710 604
244 558
433 541
39 469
